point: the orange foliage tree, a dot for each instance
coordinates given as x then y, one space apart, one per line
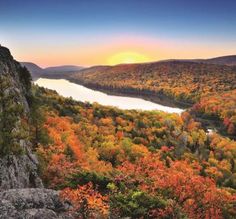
180 183
87 202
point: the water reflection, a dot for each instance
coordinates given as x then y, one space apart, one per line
79 92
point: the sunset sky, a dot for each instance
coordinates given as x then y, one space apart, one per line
93 32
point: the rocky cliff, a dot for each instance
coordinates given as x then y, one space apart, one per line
21 190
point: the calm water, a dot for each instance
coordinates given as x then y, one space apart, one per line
79 92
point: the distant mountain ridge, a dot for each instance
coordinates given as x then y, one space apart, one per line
182 81
223 60
55 71
65 71
229 60
63 68
33 68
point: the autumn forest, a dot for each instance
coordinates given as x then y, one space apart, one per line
105 162
118 109
113 163
208 89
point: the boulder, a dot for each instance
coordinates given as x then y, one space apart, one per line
33 203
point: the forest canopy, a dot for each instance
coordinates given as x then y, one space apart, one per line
132 163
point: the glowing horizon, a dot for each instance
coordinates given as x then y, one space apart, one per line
127 58
87 33
113 51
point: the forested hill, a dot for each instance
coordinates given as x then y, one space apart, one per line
229 60
183 81
103 162
65 70
112 163
223 60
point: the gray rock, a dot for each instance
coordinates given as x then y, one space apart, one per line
33 203
22 195
18 172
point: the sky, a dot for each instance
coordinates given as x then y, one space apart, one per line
98 32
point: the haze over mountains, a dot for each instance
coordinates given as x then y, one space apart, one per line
64 71
223 60
75 140
56 71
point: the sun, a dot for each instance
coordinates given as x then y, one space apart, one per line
127 57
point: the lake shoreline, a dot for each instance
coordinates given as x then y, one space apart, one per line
162 100
130 92
80 92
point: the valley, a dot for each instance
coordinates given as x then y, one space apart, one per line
81 93
118 109
106 162
184 84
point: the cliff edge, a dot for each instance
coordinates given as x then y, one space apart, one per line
22 194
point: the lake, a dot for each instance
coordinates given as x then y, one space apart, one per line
82 93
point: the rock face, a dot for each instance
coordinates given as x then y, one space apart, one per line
18 172
18 166
32 203
21 190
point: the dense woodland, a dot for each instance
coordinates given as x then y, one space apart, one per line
221 106
180 82
114 163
